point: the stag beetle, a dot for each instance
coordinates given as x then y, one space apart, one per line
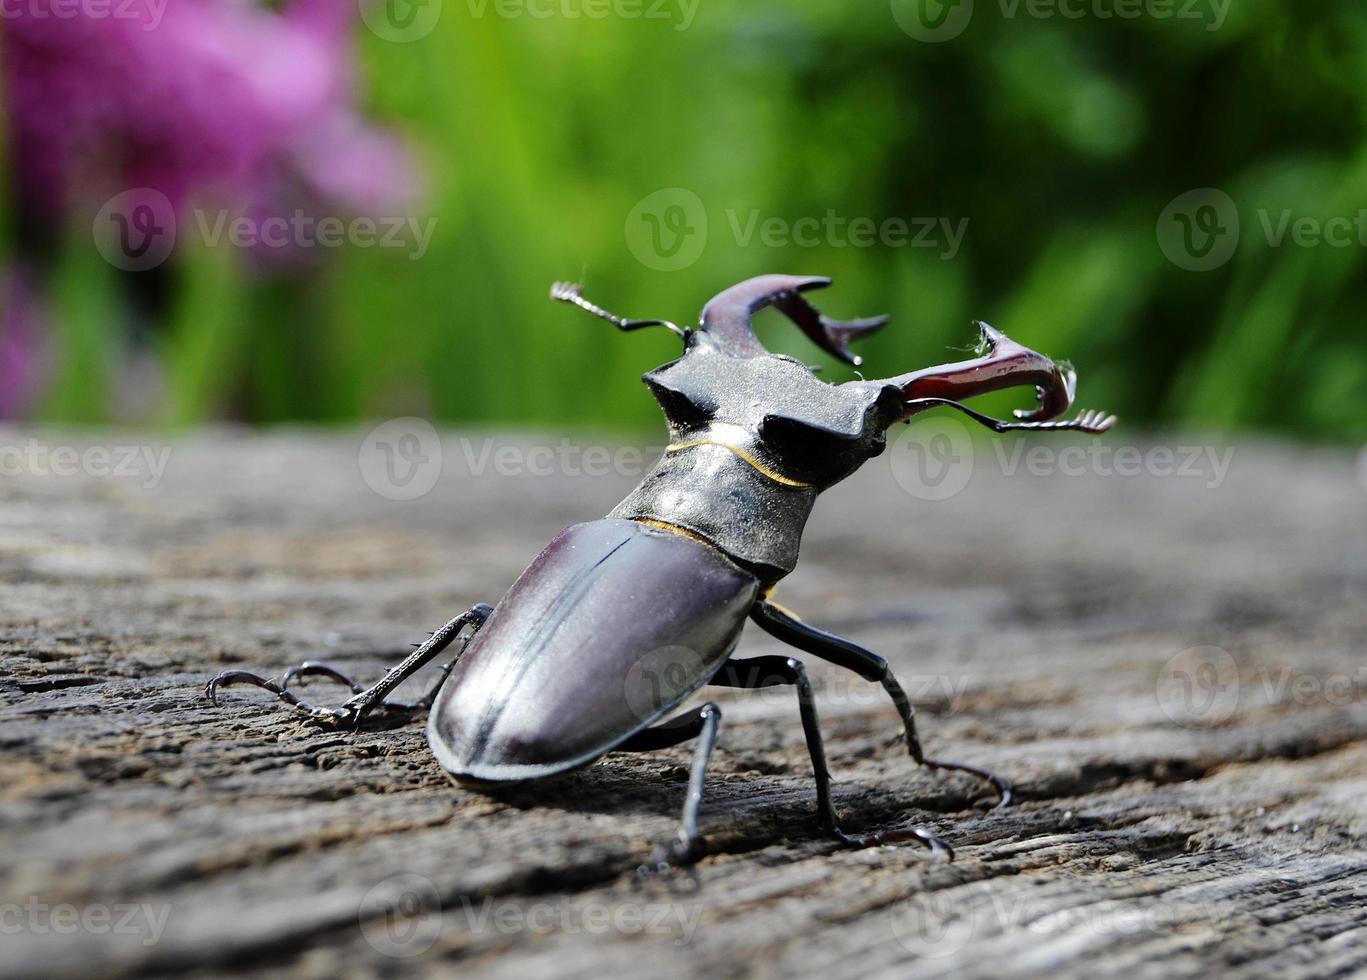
619 620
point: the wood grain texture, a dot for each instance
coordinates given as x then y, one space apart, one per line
1182 813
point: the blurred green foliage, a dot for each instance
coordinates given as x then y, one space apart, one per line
1060 139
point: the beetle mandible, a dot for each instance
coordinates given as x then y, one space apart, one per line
564 670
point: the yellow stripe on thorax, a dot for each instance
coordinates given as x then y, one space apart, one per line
674 529
771 474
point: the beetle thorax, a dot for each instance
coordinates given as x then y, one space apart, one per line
753 440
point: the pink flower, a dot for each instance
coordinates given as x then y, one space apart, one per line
23 361
195 97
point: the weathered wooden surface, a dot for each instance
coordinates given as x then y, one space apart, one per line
1035 619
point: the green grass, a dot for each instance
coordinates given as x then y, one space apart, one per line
1060 141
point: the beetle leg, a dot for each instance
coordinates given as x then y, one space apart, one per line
760 672
704 722
782 624
363 700
230 677
312 668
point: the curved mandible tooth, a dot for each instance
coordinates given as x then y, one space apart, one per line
839 334
727 317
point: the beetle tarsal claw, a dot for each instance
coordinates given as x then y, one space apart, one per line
230 677
333 716
678 854
311 668
939 850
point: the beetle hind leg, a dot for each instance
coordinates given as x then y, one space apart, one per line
230 678
363 700
688 847
312 668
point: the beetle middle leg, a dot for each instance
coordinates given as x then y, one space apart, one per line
701 724
761 672
363 700
780 623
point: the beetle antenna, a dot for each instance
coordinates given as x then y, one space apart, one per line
568 292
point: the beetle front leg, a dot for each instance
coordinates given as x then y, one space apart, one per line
364 700
778 622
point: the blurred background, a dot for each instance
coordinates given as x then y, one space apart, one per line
320 212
